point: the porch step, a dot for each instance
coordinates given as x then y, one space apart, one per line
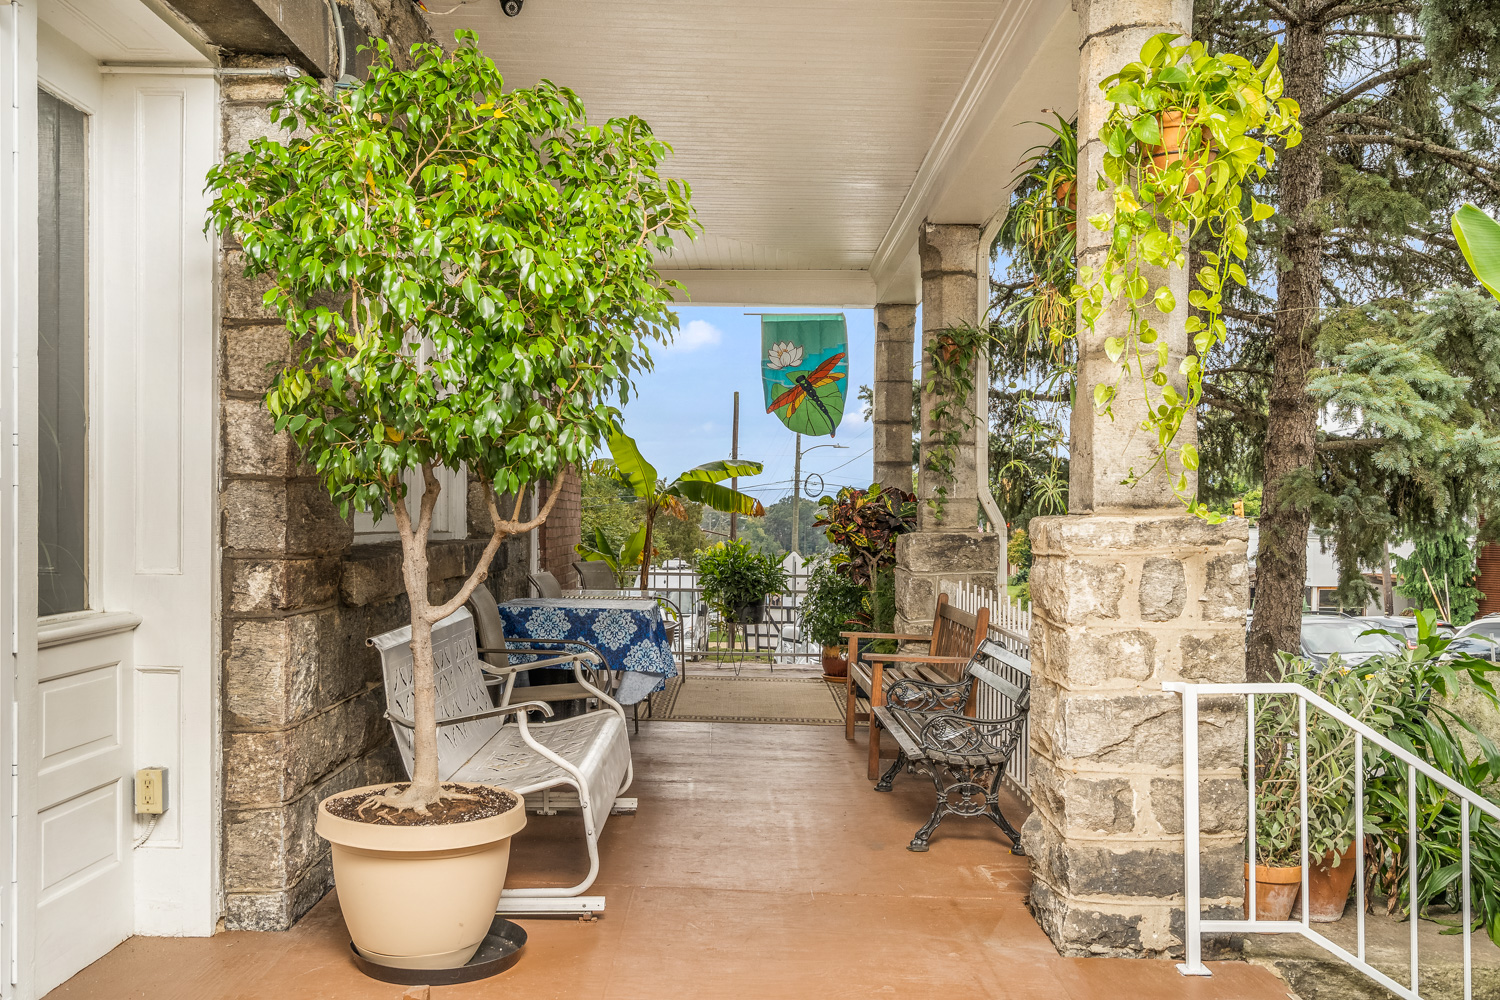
1314 974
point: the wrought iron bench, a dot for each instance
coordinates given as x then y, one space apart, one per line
955 636
498 745
966 757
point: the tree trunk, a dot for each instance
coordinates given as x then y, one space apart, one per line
425 788
1387 599
1291 426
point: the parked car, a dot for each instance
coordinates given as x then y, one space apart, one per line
1325 635
1479 638
1404 626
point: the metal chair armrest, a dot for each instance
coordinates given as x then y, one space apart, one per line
926 696
958 735
523 706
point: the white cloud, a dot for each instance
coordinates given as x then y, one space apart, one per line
697 333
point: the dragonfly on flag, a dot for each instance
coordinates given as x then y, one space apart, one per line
805 370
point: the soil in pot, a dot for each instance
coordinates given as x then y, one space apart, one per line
835 663
1329 886
1276 891
420 894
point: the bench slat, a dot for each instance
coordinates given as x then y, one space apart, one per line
991 679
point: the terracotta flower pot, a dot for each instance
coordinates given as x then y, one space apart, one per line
835 663
419 897
1066 195
1329 885
1276 891
1174 140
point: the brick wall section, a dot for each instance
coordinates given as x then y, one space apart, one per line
302 699
562 530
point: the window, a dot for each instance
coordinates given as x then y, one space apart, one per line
62 357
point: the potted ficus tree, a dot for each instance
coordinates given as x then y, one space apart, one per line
466 279
830 606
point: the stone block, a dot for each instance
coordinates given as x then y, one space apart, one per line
1080 929
271 672
275 766
1084 656
252 354
254 515
1222 805
251 445
257 585
949 553
1136 729
1163 590
313 523
1105 19
1128 868
371 574
948 249
1214 657
1074 591
242 297
1074 534
1226 590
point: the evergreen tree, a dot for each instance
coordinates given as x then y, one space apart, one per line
1440 574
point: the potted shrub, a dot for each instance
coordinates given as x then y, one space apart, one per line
436 325
1278 820
829 607
736 579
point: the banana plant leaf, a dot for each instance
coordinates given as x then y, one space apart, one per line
631 466
1478 237
717 472
720 498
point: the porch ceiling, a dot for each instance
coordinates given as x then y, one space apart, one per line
817 134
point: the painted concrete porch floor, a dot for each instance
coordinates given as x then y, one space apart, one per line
760 865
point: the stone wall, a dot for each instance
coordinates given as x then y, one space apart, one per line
1121 605
895 329
302 699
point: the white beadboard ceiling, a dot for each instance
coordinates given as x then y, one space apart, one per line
816 134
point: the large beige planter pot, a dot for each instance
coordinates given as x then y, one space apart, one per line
419 897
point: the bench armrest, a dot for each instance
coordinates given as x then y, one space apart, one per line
590 647
903 636
925 696
957 735
911 658
495 671
523 706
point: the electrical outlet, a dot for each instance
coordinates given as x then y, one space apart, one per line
151 791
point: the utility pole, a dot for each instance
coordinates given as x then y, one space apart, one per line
734 483
797 490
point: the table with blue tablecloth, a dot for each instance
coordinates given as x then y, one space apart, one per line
629 633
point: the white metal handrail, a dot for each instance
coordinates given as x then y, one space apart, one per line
1196 926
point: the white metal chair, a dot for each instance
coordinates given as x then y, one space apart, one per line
480 742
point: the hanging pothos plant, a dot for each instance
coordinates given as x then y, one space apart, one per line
950 382
1185 131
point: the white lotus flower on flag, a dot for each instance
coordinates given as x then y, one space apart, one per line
784 355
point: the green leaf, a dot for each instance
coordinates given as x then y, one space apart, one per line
1114 347
1189 457
721 498
1146 129
717 472
1260 211
1165 300
631 465
1103 393
1478 237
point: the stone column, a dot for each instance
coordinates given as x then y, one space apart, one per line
895 325
1128 593
947 546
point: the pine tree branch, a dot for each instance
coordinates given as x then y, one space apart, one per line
1370 83
1286 12
1336 10
1265 322
1348 444
1390 35
1470 165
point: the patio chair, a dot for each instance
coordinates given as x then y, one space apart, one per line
545 583
595 575
500 746
495 647
955 636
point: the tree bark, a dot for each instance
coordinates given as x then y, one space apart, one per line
1281 561
1387 599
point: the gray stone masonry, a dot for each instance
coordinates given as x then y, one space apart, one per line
895 328
1128 593
1121 604
302 701
950 548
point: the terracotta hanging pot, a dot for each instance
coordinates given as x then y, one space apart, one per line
1172 148
946 346
1066 196
835 663
1276 891
1329 884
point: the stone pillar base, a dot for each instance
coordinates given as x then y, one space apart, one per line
924 559
1113 620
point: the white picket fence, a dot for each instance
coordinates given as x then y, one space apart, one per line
1010 625
776 638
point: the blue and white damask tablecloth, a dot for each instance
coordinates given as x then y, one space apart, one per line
629 633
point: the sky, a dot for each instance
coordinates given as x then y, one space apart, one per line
683 412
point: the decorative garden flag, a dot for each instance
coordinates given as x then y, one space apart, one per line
805 368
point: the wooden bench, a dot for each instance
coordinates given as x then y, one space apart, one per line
938 734
498 745
955 636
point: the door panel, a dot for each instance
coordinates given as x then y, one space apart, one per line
85 804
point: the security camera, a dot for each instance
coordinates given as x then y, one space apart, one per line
511 7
